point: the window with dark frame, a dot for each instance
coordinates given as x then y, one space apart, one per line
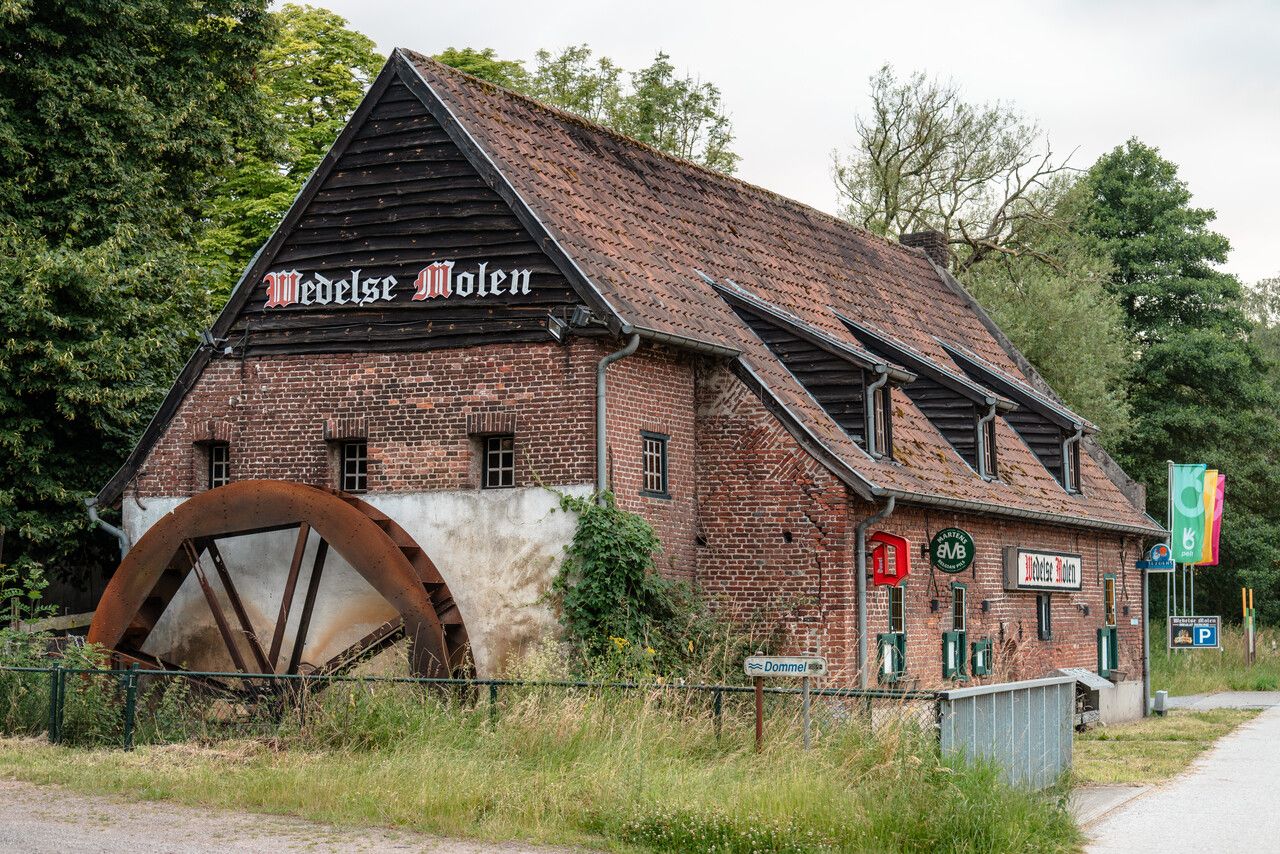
1044 616
897 609
355 466
499 462
879 414
1071 465
655 465
959 607
987 436
1109 600
219 465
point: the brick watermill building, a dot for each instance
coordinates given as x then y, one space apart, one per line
476 297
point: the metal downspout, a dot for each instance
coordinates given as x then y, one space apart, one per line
602 469
91 504
982 447
860 556
872 415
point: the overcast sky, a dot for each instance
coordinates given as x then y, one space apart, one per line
1199 80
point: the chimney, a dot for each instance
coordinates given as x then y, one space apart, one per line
934 244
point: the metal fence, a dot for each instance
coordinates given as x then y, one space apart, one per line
1026 728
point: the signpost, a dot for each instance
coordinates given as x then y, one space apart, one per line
760 666
1195 632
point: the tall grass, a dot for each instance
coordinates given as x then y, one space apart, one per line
1208 671
641 770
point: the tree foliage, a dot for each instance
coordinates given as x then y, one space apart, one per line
114 121
1198 384
680 115
311 78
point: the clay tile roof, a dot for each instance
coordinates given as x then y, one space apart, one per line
650 231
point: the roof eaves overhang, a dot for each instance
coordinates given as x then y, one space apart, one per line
922 364
738 295
1020 392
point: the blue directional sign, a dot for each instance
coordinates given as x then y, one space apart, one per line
1159 559
1194 632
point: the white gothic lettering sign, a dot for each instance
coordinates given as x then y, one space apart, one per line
1030 569
437 280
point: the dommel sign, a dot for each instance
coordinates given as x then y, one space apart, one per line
1028 569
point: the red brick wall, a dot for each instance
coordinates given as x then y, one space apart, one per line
653 391
778 546
1011 620
415 406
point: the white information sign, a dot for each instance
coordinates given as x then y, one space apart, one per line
785 665
1029 569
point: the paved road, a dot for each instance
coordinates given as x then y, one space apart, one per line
1227 700
51 820
1227 801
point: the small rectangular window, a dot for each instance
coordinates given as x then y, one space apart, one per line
987 438
499 462
655 465
1044 616
355 466
959 607
879 414
1109 599
1071 464
897 609
219 465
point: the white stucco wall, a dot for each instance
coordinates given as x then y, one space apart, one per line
497 550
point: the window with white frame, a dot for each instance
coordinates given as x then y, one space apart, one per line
1108 600
499 462
219 465
355 466
879 412
987 439
897 607
654 460
959 607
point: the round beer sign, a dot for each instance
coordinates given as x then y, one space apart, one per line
952 550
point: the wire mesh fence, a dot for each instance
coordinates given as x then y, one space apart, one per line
82 706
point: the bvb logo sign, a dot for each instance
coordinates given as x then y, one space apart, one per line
952 550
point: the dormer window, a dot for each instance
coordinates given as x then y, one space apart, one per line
987 446
879 422
1050 430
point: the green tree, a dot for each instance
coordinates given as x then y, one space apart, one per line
486 65
1262 306
1198 385
114 119
680 115
311 78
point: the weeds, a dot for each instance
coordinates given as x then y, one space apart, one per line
1207 671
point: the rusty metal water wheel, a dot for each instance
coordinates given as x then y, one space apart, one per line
186 541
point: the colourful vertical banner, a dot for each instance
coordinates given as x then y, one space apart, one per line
1215 526
1186 506
1209 497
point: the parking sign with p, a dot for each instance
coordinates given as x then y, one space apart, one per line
1194 632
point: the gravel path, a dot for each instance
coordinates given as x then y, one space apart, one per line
51 820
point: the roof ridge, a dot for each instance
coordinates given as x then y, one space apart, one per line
596 127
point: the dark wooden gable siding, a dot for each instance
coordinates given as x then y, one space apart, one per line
400 197
1042 436
838 385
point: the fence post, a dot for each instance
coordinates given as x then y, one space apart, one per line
130 704
493 702
55 688
717 705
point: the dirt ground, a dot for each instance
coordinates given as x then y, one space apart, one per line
51 820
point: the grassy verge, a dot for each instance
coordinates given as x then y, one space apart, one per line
1209 671
1153 749
625 773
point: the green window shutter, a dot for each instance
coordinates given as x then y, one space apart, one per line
981 657
893 656
1106 651
953 655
